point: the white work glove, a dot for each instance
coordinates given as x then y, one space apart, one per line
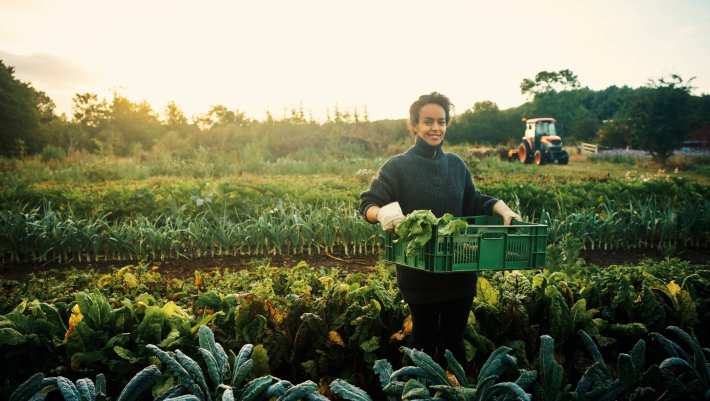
501 209
390 215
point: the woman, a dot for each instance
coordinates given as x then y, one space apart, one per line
425 177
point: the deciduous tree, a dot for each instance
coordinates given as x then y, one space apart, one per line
658 116
21 111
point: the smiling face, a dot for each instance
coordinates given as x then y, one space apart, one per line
431 126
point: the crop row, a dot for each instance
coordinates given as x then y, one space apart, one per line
308 323
250 195
48 235
684 373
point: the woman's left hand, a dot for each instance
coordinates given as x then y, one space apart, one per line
501 209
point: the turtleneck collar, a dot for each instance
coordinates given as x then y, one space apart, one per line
423 149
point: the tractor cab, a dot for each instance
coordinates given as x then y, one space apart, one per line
540 131
540 143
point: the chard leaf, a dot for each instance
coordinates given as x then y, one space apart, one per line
486 292
451 227
416 230
11 337
674 362
456 368
559 314
125 354
628 375
593 350
347 391
595 382
496 363
669 346
508 390
638 354
552 371
383 370
698 356
414 389
526 378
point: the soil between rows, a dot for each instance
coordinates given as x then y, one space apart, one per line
181 268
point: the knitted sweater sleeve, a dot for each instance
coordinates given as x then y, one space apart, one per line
383 189
474 202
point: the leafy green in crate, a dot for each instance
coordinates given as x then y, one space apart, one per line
417 228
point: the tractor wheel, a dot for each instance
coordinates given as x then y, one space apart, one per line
539 158
524 154
512 155
564 159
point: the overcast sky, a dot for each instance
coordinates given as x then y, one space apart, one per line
273 55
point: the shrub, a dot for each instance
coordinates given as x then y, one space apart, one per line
51 152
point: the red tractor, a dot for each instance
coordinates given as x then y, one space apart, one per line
540 144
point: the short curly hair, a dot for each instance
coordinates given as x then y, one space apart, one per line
435 98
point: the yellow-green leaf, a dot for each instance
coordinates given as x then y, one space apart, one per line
172 309
673 288
486 292
334 338
130 280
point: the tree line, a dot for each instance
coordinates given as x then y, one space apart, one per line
119 126
656 117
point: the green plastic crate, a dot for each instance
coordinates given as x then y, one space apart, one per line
484 245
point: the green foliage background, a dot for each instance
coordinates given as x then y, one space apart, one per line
119 126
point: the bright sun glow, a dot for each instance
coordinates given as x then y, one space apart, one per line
277 55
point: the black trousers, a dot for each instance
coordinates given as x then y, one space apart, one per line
440 326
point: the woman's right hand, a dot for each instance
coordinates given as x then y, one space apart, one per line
389 215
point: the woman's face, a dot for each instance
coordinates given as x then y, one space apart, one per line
432 124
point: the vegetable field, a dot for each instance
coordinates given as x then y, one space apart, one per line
89 286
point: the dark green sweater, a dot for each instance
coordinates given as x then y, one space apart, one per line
425 177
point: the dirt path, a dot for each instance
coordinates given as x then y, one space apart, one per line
185 267
634 256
